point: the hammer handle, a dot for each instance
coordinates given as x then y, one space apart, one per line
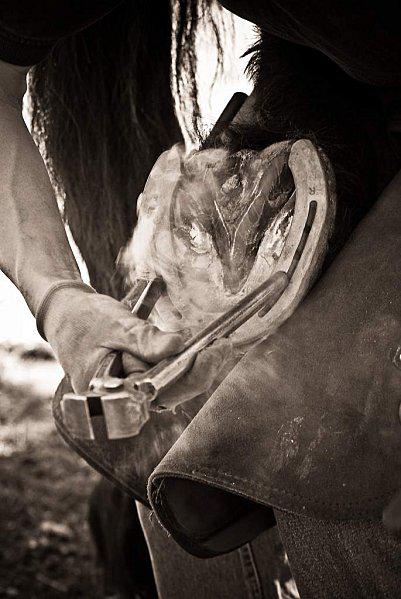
110 366
167 372
140 300
145 293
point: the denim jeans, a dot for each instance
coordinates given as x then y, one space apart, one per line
257 570
329 560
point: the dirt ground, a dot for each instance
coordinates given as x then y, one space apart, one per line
45 547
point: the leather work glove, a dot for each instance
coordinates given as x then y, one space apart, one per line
83 327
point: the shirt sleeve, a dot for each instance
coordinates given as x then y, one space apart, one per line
28 30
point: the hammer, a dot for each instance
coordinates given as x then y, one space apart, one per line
106 396
124 404
126 410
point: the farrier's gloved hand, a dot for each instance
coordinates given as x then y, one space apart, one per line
83 326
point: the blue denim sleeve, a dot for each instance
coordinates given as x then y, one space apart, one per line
28 30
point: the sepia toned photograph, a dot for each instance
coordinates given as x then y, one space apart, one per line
200 299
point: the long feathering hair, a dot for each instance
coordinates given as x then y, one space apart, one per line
103 110
188 17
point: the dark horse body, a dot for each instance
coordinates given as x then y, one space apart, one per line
300 93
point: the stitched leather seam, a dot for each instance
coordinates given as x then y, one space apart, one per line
254 484
262 485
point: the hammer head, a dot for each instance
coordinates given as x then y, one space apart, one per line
123 414
77 415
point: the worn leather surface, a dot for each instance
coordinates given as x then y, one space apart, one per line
128 463
307 421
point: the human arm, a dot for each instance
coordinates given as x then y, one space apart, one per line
34 248
35 254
